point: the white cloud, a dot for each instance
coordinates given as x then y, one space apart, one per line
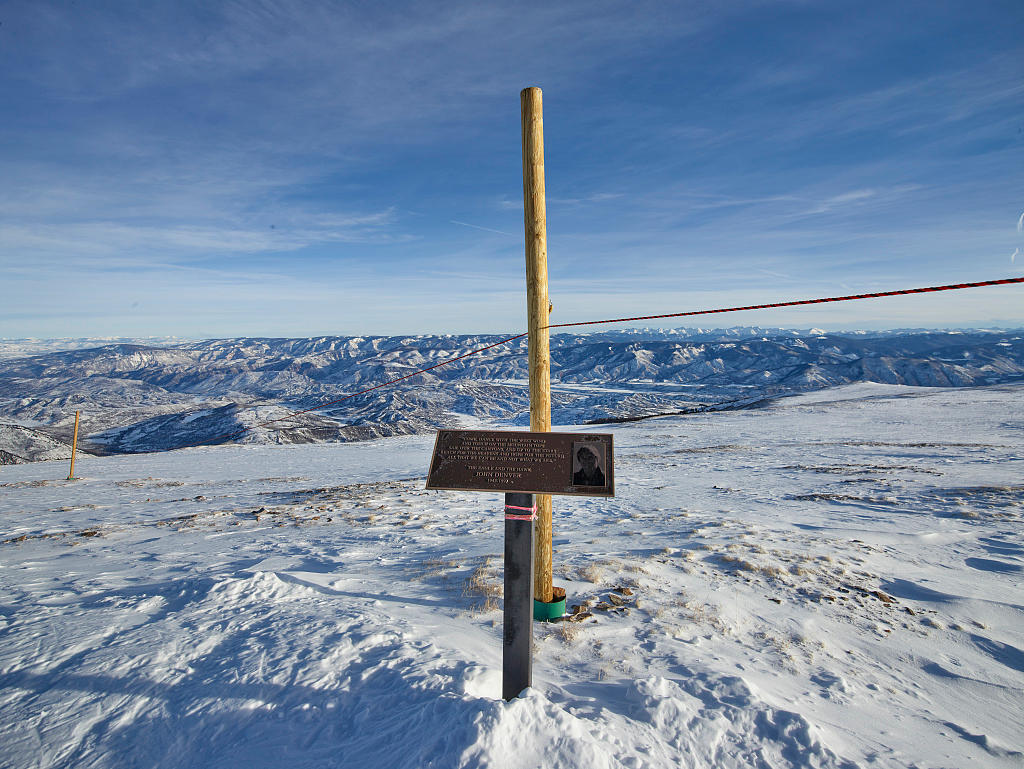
596 197
142 245
841 201
478 227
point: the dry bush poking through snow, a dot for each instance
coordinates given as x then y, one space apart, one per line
705 614
483 582
568 631
696 612
435 566
489 604
754 568
479 583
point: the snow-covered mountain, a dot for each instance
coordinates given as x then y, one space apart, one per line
149 397
11 347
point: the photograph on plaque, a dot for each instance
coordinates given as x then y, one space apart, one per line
589 464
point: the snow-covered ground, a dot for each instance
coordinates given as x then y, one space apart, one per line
831 581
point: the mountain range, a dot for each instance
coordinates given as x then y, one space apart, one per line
161 395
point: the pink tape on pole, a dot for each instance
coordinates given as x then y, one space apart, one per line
531 510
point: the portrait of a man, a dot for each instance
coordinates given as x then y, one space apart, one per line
588 460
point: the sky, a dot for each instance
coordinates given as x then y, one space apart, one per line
299 168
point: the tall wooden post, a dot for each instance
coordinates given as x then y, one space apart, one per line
74 445
537 309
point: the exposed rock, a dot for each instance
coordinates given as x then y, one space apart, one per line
7 458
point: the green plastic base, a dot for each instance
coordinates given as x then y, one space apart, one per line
542 612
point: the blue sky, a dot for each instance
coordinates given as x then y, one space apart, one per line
302 168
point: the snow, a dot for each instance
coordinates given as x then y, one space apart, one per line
833 580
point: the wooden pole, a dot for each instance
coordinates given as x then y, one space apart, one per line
74 445
537 310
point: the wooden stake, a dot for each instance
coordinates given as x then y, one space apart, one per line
74 445
537 309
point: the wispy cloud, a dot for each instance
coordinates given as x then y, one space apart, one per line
596 197
478 227
842 200
88 240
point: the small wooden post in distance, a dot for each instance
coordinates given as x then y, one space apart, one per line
537 310
517 641
74 445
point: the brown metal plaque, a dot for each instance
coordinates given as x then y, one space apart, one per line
578 464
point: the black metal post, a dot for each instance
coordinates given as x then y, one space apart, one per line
517 647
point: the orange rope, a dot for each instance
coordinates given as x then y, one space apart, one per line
799 301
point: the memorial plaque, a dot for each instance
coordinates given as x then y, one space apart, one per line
578 464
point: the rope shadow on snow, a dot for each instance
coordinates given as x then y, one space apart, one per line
329 591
